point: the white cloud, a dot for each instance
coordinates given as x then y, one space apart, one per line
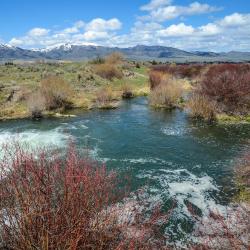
79 24
176 30
16 42
95 35
38 32
235 19
155 4
209 29
229 33
71 30
173 11
100 24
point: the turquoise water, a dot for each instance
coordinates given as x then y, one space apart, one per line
166 153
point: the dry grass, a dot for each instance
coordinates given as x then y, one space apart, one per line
167 94
114 58
104 97
36 104
56 92
201 107
108 71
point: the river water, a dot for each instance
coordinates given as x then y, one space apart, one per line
164 152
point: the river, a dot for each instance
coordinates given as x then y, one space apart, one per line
165 152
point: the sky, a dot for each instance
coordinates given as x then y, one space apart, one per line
205 25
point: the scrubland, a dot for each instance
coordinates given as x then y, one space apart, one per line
216 92
36 89
70 202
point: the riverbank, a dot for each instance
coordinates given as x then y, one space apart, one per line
87 89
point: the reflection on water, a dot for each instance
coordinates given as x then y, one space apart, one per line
171 156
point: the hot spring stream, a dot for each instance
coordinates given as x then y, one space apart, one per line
171 156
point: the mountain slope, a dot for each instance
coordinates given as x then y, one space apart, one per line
141 52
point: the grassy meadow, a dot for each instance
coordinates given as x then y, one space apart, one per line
84 85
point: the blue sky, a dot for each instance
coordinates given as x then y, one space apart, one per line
192 25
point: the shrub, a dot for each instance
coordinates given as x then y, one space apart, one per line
201 107
222 230
36 104
181 71
48 202
127 91
108 71
104 96
167 94
229 86
56 92
114 58
157 77
98 60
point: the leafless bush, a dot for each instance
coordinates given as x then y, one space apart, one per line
228 85
114 58
108 71
167 94
36 104
56 92
52 202
201 107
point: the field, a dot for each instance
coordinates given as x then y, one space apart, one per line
19 80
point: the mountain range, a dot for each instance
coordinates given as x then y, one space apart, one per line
139 52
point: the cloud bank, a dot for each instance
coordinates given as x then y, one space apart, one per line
161 23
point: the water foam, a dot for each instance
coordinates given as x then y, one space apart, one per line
54 138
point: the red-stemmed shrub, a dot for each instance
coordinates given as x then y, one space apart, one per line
181 71
69 202
229 86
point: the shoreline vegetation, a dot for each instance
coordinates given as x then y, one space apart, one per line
211 92
49 201
41 89
53 187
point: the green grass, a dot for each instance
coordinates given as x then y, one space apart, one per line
80 75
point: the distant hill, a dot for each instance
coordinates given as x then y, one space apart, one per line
139 52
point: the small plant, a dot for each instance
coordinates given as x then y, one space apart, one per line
56 92
167 94
201 107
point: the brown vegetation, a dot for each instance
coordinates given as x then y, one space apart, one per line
114 58
127 91
48 202
56 92
36 104
229 86
104 97
181 71
108 71
201 107
167 94
158 77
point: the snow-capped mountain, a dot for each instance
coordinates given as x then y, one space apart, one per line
69 51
